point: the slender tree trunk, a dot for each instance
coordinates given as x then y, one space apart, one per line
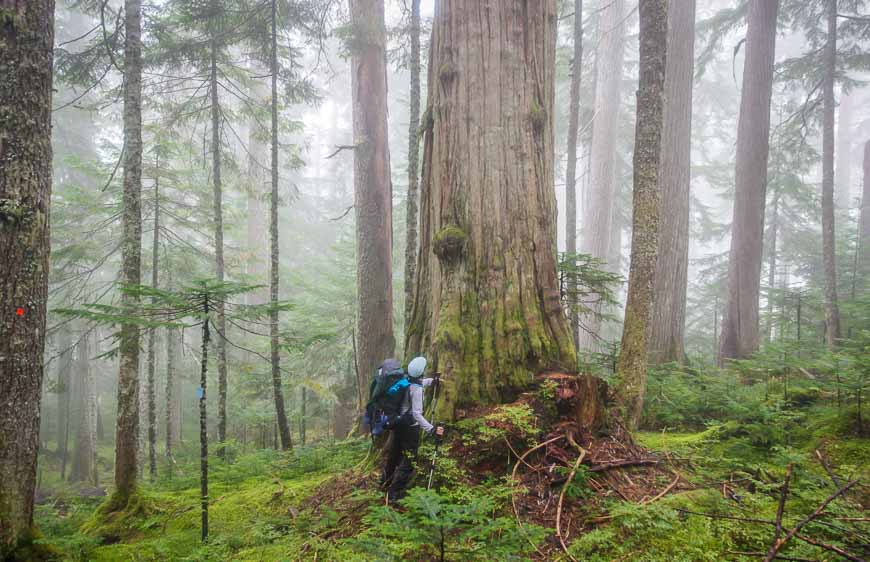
632 364
829 255
413 163
843 187
283 426
668 323
864 227
571 167
597 213
84 467
258 153
771 265
487 306
372 186
127 428
27 37
152 333
216 117
302 420
740 322
64 384
203 423
170 396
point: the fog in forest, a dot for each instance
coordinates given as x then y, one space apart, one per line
629 239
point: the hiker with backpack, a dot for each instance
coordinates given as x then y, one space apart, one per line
396 404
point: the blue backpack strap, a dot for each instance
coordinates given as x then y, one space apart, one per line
398 386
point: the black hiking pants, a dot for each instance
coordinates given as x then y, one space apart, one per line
399 467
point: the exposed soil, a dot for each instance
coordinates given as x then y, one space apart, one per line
613 465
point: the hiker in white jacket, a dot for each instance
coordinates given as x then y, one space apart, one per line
399 467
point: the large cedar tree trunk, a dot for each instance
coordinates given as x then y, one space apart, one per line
413 163
829 253
571 166
598 211
486 299
26 36
127 429
372 186
668 322
632 363
277 392
740 323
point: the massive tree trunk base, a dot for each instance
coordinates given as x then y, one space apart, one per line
117 518
491 349
30 548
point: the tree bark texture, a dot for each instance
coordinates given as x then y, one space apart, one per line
739 336
278 393
486 299
203 423
171 395
829 250
258 178
64 385
668 322
632 363
127 428
843 187
151 389
598 211
26 41
571 166
221 343
864 226
84 467
773 234
413 163
372 186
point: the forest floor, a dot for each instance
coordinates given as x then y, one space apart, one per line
320 502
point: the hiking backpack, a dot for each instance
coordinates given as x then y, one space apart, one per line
386 395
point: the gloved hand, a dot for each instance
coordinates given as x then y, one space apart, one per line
438 433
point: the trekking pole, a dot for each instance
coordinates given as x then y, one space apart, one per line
437 438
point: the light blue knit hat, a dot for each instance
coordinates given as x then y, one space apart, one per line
416 367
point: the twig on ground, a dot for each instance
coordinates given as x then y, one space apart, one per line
618 464
779 543
513 480
827 468
663 493
738 553
831 547
780 510
567 483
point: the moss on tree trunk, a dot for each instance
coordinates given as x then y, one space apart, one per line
486 297
26 39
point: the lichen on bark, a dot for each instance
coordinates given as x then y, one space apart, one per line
483 306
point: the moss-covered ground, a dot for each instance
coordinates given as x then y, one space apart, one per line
267 505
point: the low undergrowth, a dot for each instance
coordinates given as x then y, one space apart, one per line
710 491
